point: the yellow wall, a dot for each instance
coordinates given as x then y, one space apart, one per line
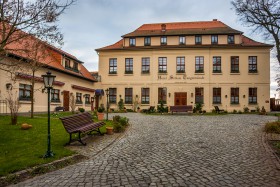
187 82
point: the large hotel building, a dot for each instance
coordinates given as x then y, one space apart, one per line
184 63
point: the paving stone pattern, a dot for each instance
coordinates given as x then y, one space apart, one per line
177 150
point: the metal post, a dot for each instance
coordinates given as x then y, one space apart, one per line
107 107
49 153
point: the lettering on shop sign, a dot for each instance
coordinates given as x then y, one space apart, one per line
172 77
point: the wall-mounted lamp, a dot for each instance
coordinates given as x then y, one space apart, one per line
136 96
9 86
225 96
169 94
191 94
120 96
62 93
244 96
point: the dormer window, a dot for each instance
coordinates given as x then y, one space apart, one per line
230 39
163 40
75 66
67 63
182 40
198 39
163 27
214 39
132 41
147 41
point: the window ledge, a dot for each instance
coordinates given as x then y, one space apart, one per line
25 102
217 73
184 73
234 73
80 104
112 74
251 73
145 74
126 74
55 103
145 104
162 73
199 73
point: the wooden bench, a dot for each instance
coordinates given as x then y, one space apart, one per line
181 108
59 108
218 110
80 123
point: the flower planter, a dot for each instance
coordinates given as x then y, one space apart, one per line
25 126
109 130
100 116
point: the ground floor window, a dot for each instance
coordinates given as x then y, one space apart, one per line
79 98
25 92
162 95
216 95
234 96
199 95
55 95
252 95
145 96
112 95
128 96
87 99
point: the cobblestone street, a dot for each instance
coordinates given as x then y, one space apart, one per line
177 150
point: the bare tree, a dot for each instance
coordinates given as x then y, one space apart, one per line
13 104
72 102
23 18
263 16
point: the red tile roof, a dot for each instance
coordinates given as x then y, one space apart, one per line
53 59
187 28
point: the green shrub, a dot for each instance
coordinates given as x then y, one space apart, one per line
245 109
81 109
116 118
213 111
197 108
118 127
100 109
123 121
263 111
121 104
272 127
234 111
257 109
239 112
225 111
129 110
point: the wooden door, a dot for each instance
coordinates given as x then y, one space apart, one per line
66 100
92 103
96 102
180 98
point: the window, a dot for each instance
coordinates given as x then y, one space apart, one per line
252 95
128 65
214 39
67 63
199 64
216 95
163 40
79 98
234 95
145 97
230 39
55 95
162 95
198 39
182 40
147 41
128 96
24 92
199 95
217 64
253 64
87 97
112 95
162 65
146 65
234 60
180 68
75 66
132 41
113 66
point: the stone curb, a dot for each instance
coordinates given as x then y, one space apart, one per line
270 152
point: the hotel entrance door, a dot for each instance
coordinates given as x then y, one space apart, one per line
180 98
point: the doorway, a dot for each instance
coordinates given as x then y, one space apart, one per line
66 100
180 98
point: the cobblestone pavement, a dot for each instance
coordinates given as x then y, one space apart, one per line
177 150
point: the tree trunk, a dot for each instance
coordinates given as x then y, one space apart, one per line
13 119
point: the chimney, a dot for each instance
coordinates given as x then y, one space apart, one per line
215 20
163 27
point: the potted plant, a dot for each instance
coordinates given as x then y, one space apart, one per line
100 114
109 130
138 109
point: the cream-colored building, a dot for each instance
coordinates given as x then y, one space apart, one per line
186 63
73 82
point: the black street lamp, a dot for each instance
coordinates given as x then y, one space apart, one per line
48 82
107 94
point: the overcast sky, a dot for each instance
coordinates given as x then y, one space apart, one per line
91 24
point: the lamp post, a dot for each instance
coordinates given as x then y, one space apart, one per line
48 82
107 94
